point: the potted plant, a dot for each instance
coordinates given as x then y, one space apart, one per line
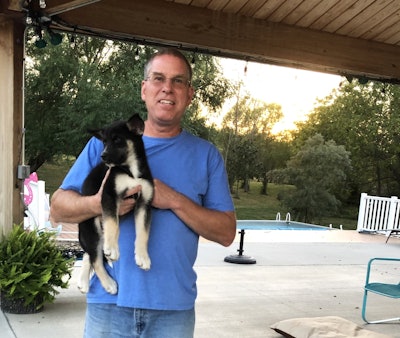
31 269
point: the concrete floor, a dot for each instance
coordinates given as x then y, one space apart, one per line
297 274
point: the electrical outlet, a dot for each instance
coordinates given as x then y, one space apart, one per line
23 171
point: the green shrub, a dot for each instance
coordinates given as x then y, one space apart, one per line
32 267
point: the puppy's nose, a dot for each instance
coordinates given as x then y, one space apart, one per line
104 157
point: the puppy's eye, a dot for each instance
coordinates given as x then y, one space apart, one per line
117 139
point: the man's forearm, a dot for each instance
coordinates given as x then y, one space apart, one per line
70 207
216 226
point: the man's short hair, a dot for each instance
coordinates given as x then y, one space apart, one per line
168 51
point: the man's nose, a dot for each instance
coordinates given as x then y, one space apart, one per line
167 85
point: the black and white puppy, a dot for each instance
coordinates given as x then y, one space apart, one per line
124 155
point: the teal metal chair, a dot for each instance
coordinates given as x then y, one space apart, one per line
381 288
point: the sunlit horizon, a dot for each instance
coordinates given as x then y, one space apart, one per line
296 90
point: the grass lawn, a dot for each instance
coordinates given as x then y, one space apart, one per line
251 205
53 174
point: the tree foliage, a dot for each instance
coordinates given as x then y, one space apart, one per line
318 171
70 88
364 118
247 140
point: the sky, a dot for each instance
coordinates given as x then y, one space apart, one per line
295 90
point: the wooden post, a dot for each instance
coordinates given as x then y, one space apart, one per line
361 212
11 98
394 201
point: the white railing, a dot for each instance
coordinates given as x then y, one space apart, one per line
378 214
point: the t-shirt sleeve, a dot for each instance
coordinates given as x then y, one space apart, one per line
218 196
86 161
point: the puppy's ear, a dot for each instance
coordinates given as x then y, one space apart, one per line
98 133
136 124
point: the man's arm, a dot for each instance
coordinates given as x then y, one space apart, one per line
70 207
216 226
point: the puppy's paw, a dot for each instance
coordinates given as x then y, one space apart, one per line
83 286
111 253
111 286
143 261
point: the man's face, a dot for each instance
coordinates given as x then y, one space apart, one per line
167 92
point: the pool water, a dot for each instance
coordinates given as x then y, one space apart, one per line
277 225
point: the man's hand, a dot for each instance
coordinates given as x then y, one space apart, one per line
217 226
164 196
129 201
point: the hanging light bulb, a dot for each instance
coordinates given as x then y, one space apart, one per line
193 61
72 41
42 4
40 42
362 80
137 53
55 38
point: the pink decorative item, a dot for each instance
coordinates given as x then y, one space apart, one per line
28 198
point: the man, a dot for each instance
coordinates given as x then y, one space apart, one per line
191 199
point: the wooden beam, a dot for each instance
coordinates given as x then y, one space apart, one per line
239 37
11 96
54 9
14 5
10 9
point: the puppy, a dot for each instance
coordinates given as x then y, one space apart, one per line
124 155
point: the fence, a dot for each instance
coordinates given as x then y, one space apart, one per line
378 214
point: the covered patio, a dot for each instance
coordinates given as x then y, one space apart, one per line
296 275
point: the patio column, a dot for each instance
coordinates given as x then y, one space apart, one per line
11 98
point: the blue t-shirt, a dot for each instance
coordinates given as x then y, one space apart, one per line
191 166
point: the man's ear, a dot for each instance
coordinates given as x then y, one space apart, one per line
190 95
143 90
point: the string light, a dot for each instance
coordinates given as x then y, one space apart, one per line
72 39
40 42
137 57
41 22
55 38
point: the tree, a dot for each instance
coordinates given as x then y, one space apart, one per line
318 171
211 91
273 154
248 138
69 89
364 118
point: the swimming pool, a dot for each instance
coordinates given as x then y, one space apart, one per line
277 225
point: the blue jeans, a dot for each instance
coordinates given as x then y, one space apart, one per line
112 321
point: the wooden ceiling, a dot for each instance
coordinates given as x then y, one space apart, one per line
375 20
348 37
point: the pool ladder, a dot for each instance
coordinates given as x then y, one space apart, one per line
278 217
